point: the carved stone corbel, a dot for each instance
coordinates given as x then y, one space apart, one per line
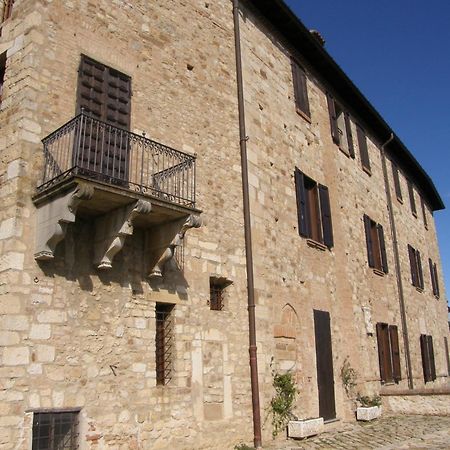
111 230
192 221
53 218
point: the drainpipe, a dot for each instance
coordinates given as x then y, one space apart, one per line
248 234
397 264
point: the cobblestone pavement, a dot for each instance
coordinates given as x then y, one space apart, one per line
386 433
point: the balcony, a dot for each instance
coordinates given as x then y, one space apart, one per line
120 180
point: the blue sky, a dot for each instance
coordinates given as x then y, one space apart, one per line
398 54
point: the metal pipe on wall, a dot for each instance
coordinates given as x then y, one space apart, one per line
248 234
397 264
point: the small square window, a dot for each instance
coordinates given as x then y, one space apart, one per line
217 287
55 430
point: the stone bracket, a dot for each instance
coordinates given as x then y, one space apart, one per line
111 230
192 221
53 218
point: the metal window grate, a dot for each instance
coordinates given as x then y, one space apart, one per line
55 431
164 343
216 296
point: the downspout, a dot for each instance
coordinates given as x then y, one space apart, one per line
397 264
248 234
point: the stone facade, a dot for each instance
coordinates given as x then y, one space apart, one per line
73 336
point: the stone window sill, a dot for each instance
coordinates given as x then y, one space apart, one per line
303 115
400 200
367 170
379 272
419 289
314 244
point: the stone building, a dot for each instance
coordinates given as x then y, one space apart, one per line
123 292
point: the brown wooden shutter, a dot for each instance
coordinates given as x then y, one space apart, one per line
419 270
384 353
424 213
333 119
412 262
436 280
447 356
364 152
300 88
395 353
384 263
348 130
398 189
302 205
369 242
325 210
432 275
431 358
411 198
425 358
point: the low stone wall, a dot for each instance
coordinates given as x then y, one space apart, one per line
435 402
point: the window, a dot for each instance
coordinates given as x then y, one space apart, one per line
398 189
388 353
376 249
164 342
416 267
300 89
412 200
2 74
426 348
424 213
341 131
55 430
434 277
7 9
313 210
363 150
447 357
217 288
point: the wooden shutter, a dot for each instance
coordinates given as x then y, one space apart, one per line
398 190
384 354
369 242
436 280
424 213
384 263
302 205
447 356
300 88
432 275
7 9
412 262
431 358
425 358
419 270
363 150
411 198
348 130
395 353
325 210
333 119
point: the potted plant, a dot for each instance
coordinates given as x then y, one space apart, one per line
369 409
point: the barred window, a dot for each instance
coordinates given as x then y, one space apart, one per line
55 430
217 287
164 343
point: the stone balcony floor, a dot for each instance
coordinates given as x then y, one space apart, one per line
387 433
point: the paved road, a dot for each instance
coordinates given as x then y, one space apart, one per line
386 433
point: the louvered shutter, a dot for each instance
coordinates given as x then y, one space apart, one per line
395 353
348 130
412 262
333 119
384 263
425 358
436 280
432 275
302 205
431 358
369 242
300 88
327 226
419 270
396 176
384 353
363 150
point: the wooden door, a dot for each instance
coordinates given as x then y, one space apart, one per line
105 96
324 361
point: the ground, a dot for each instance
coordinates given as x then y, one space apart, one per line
387 433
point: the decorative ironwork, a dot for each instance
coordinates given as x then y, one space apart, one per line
93 149
164 343
55 431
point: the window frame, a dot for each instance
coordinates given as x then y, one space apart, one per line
363 149
415 262
428 361
376 245
412 200
397 185
388 353
164 345
434 278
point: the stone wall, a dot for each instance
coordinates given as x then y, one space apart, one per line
74 337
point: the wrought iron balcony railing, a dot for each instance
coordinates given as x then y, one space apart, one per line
93 149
